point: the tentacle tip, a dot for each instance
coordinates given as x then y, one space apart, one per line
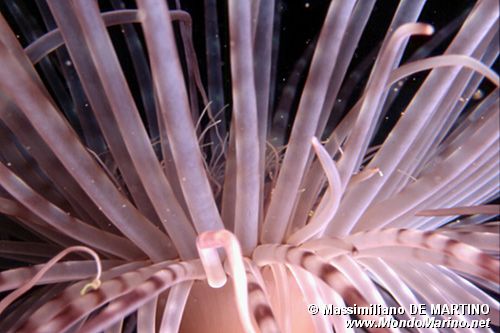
429 30
218 283
94 285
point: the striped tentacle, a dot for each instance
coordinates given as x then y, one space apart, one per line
487 240
313 263
69 307
64 294
124 305
428 246
347 265
259 305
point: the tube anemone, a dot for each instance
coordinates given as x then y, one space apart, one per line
159 138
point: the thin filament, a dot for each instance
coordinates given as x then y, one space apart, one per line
93 285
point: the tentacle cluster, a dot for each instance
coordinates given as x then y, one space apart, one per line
152 172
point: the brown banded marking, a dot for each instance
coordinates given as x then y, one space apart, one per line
67 294
260 307
72 310
109 314
171 271
315 265
433 241
484 237
329 274
51 313
334 278
303 259
400 234
334 246
252 286
154 285
450 245
264 317
453 248
432 257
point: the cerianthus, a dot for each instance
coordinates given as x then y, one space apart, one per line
168 166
